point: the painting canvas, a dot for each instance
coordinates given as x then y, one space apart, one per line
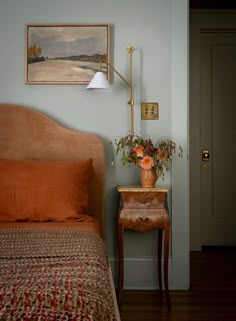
65 54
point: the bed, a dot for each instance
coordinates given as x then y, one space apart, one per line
53 259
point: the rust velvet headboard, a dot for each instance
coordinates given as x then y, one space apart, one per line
28 134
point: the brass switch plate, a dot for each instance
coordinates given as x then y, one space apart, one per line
149 111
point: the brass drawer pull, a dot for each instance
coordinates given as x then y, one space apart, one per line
143 219
144 201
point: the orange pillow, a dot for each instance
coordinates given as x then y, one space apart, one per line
35 190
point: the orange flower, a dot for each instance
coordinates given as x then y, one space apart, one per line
147 162
139 151
165 155
161 155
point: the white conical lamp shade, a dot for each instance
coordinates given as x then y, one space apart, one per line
99 82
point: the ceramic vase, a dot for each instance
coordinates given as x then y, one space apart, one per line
148 177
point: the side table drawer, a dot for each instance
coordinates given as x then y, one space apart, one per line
143 200
142 220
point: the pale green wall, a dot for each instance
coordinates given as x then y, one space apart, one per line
158 30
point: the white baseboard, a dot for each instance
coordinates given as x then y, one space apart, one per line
139 273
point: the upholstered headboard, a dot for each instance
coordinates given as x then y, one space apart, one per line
28 134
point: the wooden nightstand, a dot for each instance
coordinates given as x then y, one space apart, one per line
142 210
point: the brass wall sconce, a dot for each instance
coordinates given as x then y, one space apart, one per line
99 82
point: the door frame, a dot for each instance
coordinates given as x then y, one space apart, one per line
199 19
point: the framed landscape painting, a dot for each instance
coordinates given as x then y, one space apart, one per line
66 54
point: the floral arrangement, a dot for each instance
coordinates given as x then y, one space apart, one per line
145 154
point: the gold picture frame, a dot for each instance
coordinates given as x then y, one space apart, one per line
66 53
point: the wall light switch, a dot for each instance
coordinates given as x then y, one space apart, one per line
149 111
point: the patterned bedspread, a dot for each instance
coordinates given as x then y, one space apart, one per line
54 275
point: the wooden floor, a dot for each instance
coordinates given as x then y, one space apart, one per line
212 296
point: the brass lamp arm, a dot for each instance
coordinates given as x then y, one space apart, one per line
129 83
117 72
